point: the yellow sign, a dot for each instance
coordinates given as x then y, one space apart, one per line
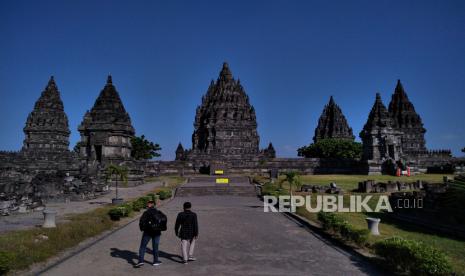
219 172
222 181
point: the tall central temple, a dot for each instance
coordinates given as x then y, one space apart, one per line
225 126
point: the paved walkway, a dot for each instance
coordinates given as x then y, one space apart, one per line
236 238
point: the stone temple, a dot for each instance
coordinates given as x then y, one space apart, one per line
225 126
380 137
225 137
47 125
407 121
106 129
332 124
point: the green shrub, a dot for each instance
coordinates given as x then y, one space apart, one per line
335 223
143 200
331 221
412 257
271 189
359 236
6 262
164 194
346 231
137 205
127 209
117 212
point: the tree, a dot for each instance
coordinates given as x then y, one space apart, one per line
119 172
144 149
293 179
332 148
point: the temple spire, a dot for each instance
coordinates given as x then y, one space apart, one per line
400 89
109 80
51 85
225 125
379 115
381 140
109 121
407 120
225 73
331 100
332 124
46 127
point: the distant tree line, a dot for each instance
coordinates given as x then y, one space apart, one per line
332 148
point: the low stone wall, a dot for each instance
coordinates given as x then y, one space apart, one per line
302 165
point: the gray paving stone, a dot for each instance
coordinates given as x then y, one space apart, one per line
236 238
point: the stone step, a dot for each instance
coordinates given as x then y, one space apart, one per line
212 179
216 190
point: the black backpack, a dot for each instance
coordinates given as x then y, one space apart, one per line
156 222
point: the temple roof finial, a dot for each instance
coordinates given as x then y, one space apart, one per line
225 73
399 88
51 85
109 79
331 100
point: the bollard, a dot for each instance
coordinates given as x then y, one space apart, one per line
373 224
22 209
49 218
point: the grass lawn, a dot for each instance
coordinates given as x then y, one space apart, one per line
23 248
26 247
454 248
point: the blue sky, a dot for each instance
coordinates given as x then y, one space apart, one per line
290 56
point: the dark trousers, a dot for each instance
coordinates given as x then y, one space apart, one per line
143 246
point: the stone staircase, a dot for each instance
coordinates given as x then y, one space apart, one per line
233 180
206 186
216 190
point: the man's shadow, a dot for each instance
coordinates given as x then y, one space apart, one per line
132 257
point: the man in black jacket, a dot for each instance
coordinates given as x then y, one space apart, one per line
187 230
149 217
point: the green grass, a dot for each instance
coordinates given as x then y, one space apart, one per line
26 248
350 182
454 248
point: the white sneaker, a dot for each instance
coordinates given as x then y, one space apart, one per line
157 263
192 259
